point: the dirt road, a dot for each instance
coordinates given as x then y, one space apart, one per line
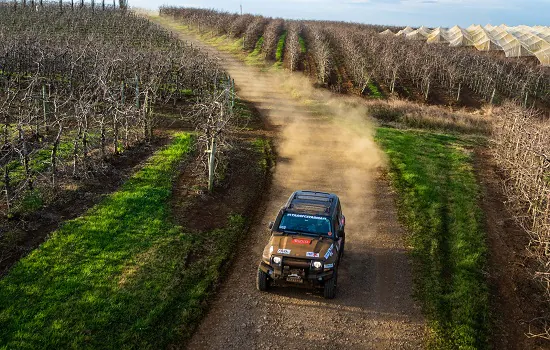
322 143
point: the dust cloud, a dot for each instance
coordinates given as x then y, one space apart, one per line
327 144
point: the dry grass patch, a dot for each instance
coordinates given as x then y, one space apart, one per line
415 115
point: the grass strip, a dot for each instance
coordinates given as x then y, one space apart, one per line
256 57
438 201
374 91
122 276
281 47
303 48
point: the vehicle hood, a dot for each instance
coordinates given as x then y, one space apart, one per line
297 246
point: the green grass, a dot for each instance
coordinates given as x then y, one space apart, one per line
121 276
438 201
256 58
245 117
32 201
281 47
374 91
40 161
258 48
172 88
263 146
302 42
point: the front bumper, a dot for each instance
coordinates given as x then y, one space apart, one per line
282 272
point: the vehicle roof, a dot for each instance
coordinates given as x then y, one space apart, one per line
312 202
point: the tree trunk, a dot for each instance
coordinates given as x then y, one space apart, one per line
145 124
394 78
427 90
115 132
26 160
85 140
54 155
45 109
102 138
75 151
126 132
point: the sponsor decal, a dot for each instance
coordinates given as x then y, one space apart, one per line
301 241
329 252
312 255
307 216
283 251
329 266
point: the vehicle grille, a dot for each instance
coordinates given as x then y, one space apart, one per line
300 263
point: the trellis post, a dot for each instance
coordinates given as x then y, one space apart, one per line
211 163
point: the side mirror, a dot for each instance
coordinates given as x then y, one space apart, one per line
270 225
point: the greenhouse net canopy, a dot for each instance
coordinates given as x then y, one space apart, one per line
519 41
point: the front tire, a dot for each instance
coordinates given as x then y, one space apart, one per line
262 281
330 286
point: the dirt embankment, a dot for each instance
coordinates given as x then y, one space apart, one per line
322 143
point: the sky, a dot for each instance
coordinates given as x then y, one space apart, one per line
431 13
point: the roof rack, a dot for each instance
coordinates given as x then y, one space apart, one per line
319 194
314 198
312 202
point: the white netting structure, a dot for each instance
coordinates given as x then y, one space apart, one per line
519 41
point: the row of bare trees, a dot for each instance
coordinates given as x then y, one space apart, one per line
522 149
79 87
364 56
103 4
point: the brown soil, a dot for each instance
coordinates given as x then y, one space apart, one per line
516 300
323 142
197 210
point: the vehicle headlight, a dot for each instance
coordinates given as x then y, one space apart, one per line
317 264
276 260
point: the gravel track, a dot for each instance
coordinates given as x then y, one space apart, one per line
323 142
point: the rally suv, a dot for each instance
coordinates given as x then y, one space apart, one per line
306 244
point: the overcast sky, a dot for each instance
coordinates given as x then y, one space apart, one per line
431 13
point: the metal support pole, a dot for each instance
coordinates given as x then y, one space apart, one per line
493 96
44 107
232 94
137 92
211 164
122 97
228 92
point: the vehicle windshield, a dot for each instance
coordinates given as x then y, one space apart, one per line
318 225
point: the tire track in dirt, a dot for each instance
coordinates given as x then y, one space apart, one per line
323 142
